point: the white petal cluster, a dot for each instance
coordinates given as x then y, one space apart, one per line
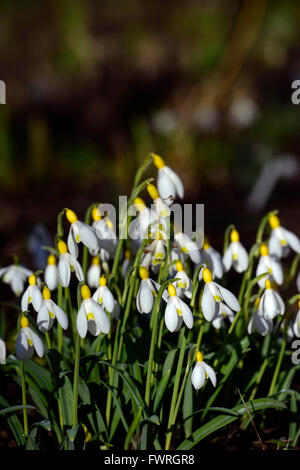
32 295
91 316
15 276
147 291
51 273
259 322
80 232
201 372
28 342
269 264
281 240
48 312
67 264
177 312
271 303
103 296
235 255
212 259
169 184
2 352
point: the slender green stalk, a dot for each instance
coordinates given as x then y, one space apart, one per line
76 381
277 368
71 316
59 328
24 401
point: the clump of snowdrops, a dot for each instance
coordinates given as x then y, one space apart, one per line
141 342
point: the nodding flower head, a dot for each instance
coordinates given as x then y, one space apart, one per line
158 161
274 221
199 356
62 247
152 191
179 266
32 280
85 292
96 214
206 275
24 322
51 260
71 216
46 293
264 250
268 284
102 281
171 290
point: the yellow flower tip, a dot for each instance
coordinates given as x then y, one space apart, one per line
234 236
139 203
102 281
90 316
274 221
85 292
51 259
158 161
206 244
95 261
96 214
268 284
143 272
46 293
71 216
152 191
127 254
179 266
171 290
62 247
24 322
256 303
206 275
199 356
299 304
264 251
32 280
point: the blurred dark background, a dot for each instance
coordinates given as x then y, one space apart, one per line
93 86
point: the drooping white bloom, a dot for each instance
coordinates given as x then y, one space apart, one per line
94 273
268 264
103 295
202 371
146 293
213 294
2 352
184 283
161 208
91 316
235 255
146 221
223 312
187 246
212 259
15 276
80 232
271 304
176 311
32 295
28 341
168 183
157 250
259 322
51 273
67 263
281 240
48 312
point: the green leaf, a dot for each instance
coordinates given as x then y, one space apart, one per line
187 406
222 420
169 361
293 419
13 409
161 388
132 428
65 393
14 424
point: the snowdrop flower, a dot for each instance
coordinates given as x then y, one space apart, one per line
183 284
161 208
211 259
187 246
94 273
281 240
271 304
222 313
235 255
67 264
259 322
268 264
168 183
201 372
28 341
146 219
177 311
15 276
2 352
48 312
104 296
295 323
157 249
91 316
105 233
213 294
79 232
146 292
51 273
32 295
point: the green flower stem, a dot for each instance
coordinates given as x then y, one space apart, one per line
24 402
76 381
182 343
48 340
200 334
59 328
277 368
71 316
259 378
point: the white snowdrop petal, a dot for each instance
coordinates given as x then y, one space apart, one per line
292 240
64 271
17 285
208 304
227 258
274 246
25 299
61 316
270 305
176 181
277 272
186 314
87 235
216 261
2 352
43 318
23 350
81 321
36 298
165 186
280 303
72 245
146 297
243 259
108 299
296 325
50 276
229 298
78 271
101 318
198 376
37 343
171 316
211 373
